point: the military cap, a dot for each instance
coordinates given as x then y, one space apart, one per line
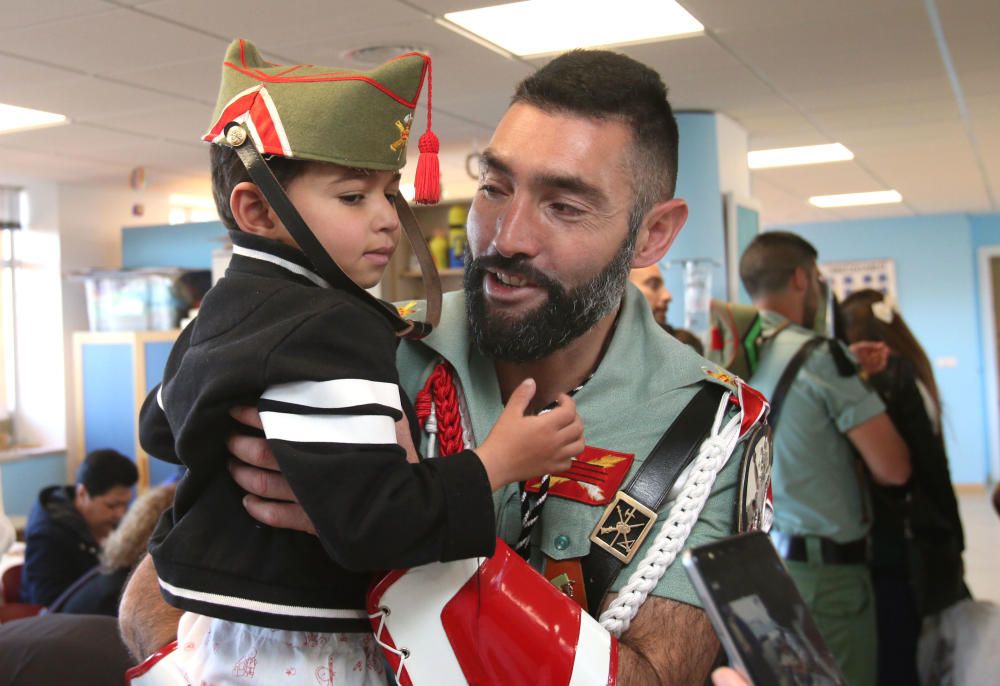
325 114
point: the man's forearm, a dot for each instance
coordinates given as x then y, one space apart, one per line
146 622
668 644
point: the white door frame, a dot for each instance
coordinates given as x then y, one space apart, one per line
989 328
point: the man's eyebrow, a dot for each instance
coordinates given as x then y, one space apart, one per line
567 182
487 160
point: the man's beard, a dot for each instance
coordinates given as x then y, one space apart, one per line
563 317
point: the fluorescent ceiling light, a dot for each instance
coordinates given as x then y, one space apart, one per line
541 27
792 157
852 199
13 118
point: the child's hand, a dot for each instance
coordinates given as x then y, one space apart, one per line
522 447
405 440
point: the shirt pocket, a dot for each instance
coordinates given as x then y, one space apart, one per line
565 528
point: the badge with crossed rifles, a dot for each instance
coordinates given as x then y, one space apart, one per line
622 528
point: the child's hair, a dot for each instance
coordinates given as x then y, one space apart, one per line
228 171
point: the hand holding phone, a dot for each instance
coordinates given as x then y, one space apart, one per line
758 613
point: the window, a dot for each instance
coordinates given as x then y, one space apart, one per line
10 221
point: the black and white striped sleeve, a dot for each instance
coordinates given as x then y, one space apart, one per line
329 415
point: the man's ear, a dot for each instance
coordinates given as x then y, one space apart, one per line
658 231
251 210
799 280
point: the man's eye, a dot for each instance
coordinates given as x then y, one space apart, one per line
489 190
563 208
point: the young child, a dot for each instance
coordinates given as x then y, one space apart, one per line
290 332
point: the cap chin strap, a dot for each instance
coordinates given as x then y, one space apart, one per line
262 175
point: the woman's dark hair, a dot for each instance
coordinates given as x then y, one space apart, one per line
863 325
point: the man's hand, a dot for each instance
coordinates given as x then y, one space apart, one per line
270 499
668 644
726 676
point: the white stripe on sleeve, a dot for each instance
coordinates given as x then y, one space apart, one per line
336 393
322 428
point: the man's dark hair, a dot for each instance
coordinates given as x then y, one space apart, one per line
598 84
228 171
771 258
104 469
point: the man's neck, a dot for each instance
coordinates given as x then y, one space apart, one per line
787 307
561 370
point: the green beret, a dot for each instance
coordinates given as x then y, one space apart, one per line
326 114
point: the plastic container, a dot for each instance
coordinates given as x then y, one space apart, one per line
133 300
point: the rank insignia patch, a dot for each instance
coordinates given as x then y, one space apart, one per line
721 376
623 527
407 309
592 479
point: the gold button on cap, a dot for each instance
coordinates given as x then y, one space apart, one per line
236 135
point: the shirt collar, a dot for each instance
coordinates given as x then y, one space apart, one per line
249 249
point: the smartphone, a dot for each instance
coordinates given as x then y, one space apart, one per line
758 613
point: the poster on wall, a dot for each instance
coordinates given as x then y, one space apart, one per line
847 277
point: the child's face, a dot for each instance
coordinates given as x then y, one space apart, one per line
352 215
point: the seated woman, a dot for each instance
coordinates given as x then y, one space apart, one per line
98 591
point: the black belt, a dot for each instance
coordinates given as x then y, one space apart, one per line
795 549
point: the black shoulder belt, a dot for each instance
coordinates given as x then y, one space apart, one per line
675 450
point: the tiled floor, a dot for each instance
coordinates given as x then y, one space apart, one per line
982 545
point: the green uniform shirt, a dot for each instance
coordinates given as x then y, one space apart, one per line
815 483
645 379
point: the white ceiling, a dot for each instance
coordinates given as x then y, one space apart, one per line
139 78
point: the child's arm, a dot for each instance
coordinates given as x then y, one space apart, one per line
329 414
155 435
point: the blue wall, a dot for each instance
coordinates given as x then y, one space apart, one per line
698 183
938 291
188 246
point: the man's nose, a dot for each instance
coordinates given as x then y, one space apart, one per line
516 233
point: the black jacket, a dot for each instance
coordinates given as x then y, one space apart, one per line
60 547
917 528
324 362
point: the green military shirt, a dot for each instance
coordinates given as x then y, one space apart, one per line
645 379
815 480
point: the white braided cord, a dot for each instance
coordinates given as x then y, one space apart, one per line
712 456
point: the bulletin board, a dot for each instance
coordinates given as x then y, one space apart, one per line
847 277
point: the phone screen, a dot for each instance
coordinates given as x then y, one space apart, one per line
758 613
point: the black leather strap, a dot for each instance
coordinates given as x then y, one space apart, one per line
262 175
656 476
787 377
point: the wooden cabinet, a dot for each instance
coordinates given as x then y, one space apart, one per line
112 374
402 278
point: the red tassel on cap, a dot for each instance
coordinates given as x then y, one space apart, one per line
428 181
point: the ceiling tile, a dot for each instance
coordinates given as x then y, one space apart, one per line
20 15
83 97
109 42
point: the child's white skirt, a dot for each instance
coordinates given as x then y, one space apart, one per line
216 652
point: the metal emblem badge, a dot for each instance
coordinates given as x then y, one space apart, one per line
754 509
236 136
623 527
